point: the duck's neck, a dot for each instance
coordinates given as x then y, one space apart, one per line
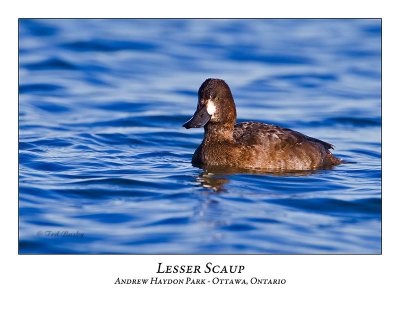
218 132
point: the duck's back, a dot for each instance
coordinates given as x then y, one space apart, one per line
280 148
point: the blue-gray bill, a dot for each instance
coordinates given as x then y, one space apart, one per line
199 119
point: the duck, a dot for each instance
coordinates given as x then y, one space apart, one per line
250 145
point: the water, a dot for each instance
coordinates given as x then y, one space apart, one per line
104 163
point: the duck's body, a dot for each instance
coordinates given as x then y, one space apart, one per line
250 145
264 146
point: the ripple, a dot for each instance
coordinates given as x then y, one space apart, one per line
356 122
37 28
173 221
334 206
52 108
51 64
124 106
108 46
282 59
112 218
300 78
102 194
39 88
238 227
117 181
49 166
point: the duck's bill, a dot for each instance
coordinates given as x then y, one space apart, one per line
199 119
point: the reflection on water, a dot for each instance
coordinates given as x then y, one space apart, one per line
216 177
212 181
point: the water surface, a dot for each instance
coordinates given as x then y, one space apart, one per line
104 163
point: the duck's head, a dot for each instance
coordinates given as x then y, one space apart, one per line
215 105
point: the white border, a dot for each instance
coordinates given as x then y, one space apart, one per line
87 281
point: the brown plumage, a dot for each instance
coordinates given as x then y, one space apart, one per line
250 145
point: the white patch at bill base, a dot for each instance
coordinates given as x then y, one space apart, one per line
211 107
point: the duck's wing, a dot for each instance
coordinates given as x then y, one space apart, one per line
301 137
251 133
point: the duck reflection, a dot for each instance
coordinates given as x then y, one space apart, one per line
216 178
212 181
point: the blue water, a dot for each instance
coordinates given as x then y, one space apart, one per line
105 165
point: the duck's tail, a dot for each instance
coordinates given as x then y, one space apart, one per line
333 160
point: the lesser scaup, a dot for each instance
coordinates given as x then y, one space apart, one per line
250 145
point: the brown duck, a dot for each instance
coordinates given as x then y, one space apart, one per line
250 145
